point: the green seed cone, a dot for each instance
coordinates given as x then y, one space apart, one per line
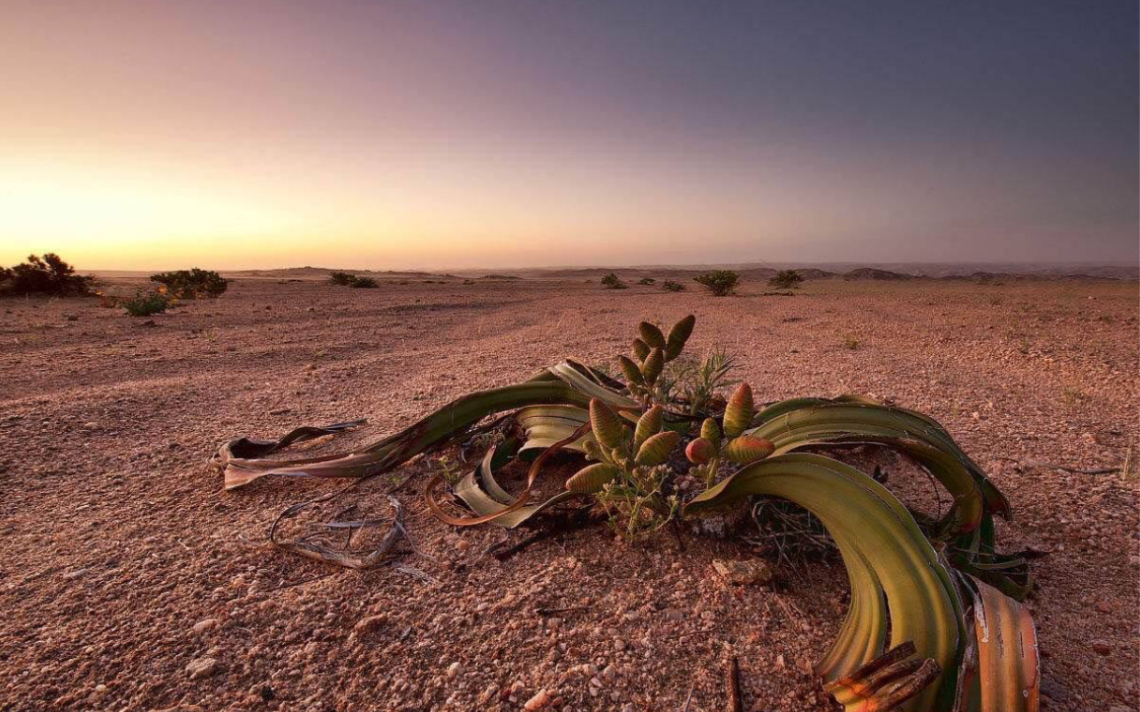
711 432
631 371
746 449
678 335
640 349
606 424
592 478
651 335
653 365
656 449
738 414
700 451
648 425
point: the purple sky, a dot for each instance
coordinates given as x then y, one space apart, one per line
458 134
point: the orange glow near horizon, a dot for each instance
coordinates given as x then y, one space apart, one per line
443 135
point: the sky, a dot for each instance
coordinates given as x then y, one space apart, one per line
391 135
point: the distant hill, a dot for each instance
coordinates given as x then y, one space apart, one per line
324 272
749 272
876 274
813 273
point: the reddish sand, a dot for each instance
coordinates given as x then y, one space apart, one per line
124 562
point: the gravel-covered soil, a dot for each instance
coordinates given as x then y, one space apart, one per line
130 581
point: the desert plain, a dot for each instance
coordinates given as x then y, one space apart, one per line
130 581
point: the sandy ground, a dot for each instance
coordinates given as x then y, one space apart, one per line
124 562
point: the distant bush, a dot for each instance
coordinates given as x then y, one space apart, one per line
787 279
721 282
146 304
646 280
611 281
48 275
343 279
671 286
192 283
363 283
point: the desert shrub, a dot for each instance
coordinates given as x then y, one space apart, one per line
363 283
146 304
721 282
48 275
787 279
193 283
851 343
611 281
342 279
646 280
671 286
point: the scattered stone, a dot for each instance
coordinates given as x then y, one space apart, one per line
279 411
72 575
488 694
1102 647
540 700
206 624
202 667
744 573
453 670
370 624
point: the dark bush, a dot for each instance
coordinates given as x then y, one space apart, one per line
671 286
48 275
611 281
721 283
786 279
363 283
192 283
146 304
646 280
343 279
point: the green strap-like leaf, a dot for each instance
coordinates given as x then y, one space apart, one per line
494 498
875 533
815 422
